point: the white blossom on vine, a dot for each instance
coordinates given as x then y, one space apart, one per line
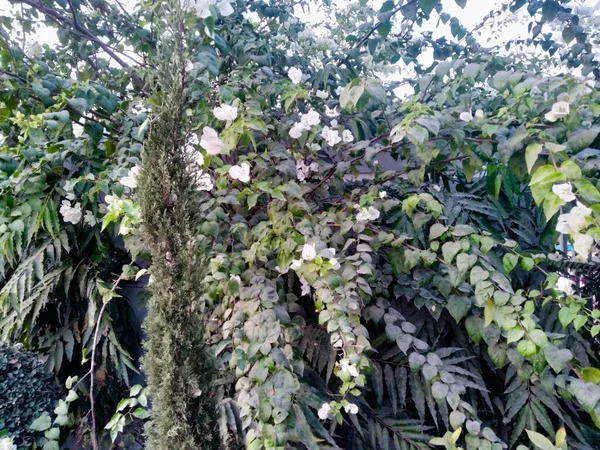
295 75
331 112
559 110
210 141
225 112
131 179
573 221
565 285
351 408
303 170
309 252
323 411
332 137
241 172
71 214
323 95
564 192
347 136
367 214
89 219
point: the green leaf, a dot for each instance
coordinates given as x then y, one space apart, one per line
436 230
539 338
42 423
531 154
591 375
478 274
557 358
552 204
527 348
567 314
582 138
488 312
540 441
515 334
427 5
458 307
571 170
464 262
461 3
141 413
474 326
450 250
587 394
509 261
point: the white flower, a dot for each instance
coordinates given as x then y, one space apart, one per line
113 203
77 130
241 172
124 230
322 94
339 89
366 214
331 136
582 243
346 366
210 141
304 287
382 194
296 264
334 123
89 219
204 182
131 179
7 444
197 158
559 110
309 252
296 130
315 147
295 75
310 119
351 408
34 50
334 263
479 114
225 8
225 112
565 285
189 65
323 411
466 116
303 170
564 192
202 8
70 213
574 220
331 112
347 136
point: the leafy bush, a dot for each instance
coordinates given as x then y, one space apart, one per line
27 391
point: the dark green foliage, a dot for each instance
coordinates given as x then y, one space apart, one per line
178 367
27 391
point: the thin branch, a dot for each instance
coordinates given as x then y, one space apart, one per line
58 18
375 27
92 377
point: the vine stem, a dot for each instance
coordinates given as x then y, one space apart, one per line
91 372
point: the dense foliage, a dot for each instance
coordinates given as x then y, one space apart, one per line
373 270
27 391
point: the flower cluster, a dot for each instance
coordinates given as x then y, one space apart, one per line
559 110
71 214
308 120
573 223
202 7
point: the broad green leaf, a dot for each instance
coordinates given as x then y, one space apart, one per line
540 441
509 261
557 358
450 250
531 155
42 423
552 204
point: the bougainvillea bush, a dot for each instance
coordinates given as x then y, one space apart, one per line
352 246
